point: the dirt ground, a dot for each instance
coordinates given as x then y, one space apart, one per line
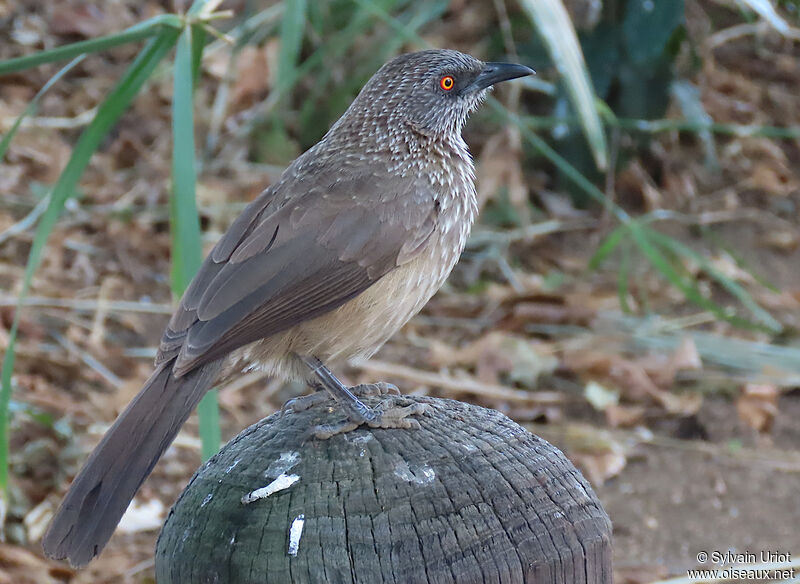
678 497
687 426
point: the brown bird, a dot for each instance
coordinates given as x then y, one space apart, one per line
326 264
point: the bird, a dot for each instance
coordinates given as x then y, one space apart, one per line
325 265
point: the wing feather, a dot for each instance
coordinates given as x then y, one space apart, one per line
293 257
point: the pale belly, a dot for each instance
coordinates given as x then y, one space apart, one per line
361 326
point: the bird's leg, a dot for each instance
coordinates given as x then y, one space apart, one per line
306 402
379 388
358 412
320 395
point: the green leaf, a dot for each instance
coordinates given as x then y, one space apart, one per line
107 115
419 15
208 424
42 418
733 287
143 30
34 104
647 27
328 98
555 27
623 277
187 243
647 240
292 28
608 246
185 227
199 35
641 235
561 163
642 238
203 8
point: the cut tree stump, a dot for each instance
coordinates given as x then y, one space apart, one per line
469 497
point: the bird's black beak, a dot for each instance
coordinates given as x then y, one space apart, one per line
496 72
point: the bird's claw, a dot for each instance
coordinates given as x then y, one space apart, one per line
394 416
305 402
398 416
377 389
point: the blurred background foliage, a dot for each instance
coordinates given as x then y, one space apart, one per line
615 186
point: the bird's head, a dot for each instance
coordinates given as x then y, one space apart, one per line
432 92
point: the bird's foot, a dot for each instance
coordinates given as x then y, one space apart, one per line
379 388
398 416
389 414
306 402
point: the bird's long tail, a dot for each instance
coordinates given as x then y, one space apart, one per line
108 481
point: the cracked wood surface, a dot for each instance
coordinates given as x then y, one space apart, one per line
469 497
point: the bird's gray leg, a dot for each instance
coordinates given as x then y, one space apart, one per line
358 412
355 409
320 395
306 402
379 388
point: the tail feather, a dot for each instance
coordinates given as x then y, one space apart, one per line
105 486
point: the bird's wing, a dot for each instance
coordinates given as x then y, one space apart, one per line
288 259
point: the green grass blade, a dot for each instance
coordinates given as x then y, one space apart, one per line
733 287
209 424
199 35
335 46
639 234
186 241
8 358
143 30
608 246
185 227
561 163
668 125
663 265
203 8
555 27
208 408
708 233
107 115
34 104
292 28
424 13
405 25
623 276
644 239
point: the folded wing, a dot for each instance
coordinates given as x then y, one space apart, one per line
293 256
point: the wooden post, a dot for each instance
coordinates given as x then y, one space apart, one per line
469 497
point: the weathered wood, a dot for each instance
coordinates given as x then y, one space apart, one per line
469 497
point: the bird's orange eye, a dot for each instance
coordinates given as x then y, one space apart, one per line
447 82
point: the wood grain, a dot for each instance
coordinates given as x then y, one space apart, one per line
469 497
